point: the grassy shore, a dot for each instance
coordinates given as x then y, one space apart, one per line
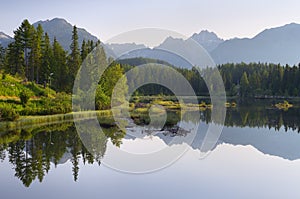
104 117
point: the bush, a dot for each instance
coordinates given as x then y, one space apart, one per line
8 113
24 97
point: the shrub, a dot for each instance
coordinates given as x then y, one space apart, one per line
24 97
8 113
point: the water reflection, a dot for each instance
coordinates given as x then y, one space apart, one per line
32 151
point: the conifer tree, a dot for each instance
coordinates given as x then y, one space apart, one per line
84 50
244 85
60 69
74 59
2 57
36 53
47 58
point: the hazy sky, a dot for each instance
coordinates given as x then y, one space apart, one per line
107 18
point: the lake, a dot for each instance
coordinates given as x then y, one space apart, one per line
256 156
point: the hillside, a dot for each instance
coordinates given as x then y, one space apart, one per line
39 100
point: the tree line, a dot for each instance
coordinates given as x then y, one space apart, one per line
241 79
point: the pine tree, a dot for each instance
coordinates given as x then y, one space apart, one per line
47 58
36 53
2 57
74 59
59 67
84 50
244 85
24 39
15 57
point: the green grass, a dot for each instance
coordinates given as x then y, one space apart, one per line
105 118
42 101
12 87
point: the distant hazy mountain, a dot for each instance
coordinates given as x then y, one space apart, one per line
157 54
5 39
177 52
208 40
276 45
120 49
62 30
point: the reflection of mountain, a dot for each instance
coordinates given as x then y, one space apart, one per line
280 144
270 131
270 142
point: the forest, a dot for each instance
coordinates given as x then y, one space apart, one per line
253 80
37 75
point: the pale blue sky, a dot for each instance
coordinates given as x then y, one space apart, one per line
107 18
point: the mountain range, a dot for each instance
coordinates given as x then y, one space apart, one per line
275 45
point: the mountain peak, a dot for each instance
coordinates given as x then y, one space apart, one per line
62 30
172 39
209 40
54 20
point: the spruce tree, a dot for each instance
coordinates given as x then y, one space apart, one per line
15 57
36 53
2 57
47 58
74 59
244 85
24 38
59 65
84 50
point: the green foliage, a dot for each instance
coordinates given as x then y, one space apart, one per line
107 84
260 79
46 60
60 80
74 59
24 97
60 104
244 85
8 113
2 57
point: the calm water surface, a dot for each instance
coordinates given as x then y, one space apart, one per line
257 156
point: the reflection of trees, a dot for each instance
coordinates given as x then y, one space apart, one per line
256 116
31 152
34 150
260 117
